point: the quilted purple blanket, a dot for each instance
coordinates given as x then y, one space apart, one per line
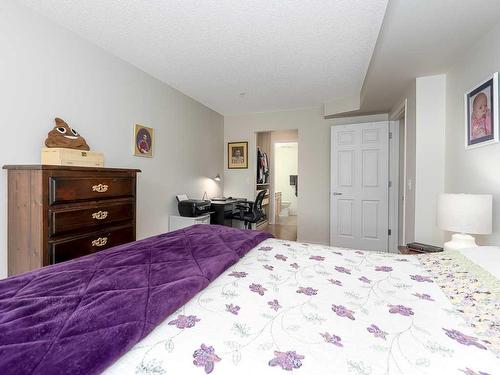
78 317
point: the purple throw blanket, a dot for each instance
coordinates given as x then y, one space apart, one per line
78 317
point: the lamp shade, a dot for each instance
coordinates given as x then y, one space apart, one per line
465 213
218 178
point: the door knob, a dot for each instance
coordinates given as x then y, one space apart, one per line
337 193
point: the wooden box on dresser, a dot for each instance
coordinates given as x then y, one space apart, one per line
57 213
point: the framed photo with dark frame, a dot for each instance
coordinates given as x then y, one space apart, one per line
143 141
237 155
481 114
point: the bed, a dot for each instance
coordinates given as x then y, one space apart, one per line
312 309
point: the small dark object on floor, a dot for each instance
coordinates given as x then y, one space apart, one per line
423 248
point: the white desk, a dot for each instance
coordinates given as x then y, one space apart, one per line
179 222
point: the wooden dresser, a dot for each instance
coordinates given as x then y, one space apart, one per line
60 213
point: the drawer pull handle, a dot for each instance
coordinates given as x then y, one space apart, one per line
100 215
101 241
101 188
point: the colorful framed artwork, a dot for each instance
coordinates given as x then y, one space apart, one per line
143 141
481 113
237 155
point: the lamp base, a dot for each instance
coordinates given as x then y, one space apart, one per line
460 241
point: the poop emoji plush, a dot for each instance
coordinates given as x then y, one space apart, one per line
64 136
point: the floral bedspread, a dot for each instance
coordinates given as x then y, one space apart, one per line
474 292
316 310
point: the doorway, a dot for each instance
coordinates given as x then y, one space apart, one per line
281 149
379 206
359 204
400 182
286 186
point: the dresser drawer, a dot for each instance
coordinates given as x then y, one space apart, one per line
63 250
67 220
71 189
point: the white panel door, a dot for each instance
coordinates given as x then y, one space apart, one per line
359 204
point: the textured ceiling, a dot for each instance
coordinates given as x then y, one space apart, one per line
420 38
282 54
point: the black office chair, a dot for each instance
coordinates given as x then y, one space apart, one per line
250 212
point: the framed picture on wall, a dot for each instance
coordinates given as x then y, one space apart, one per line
143 141
481 113
237 155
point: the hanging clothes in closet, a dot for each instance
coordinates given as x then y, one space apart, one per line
262 167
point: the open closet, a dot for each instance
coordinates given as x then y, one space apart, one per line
276 174
263 173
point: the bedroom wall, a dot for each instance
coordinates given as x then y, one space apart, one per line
425 143
314 162
476 170
430 117
47 71
410 98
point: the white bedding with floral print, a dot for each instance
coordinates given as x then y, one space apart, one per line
316 310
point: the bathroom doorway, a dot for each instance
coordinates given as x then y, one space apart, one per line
286 189
277 174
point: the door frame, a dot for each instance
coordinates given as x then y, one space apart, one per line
394 163
393 200
270 156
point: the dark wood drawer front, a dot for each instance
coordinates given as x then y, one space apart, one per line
72 248
89 217
71 189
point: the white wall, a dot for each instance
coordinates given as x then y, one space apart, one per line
286 164
314 162
425 156
410 129
46 71
430 116
477 170
436 158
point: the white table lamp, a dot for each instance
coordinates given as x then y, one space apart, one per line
464 214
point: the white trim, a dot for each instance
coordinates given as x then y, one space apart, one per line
394 164
495 113
400 110
394 187
405 184
404 116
